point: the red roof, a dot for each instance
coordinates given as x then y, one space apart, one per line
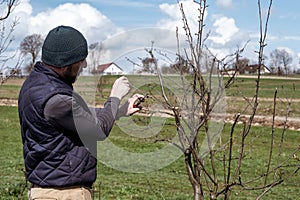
103 67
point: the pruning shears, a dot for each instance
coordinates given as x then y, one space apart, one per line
139 101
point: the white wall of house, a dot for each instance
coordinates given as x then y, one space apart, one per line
113 70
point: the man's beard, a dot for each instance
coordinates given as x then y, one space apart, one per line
69 77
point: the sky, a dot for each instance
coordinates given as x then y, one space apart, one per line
230 23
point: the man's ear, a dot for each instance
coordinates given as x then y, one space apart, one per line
66 69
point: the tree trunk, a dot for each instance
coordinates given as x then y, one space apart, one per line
197 192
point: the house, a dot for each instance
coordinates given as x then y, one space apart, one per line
229 72
246 69
109 69
252 69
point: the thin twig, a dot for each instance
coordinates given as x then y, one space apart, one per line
272 137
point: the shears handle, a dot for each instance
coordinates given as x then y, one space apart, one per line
138 102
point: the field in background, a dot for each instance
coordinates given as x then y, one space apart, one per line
242 87
170 182
96 90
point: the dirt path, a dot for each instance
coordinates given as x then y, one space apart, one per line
292 123
228 98
8 102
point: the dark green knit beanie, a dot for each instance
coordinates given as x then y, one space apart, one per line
64 46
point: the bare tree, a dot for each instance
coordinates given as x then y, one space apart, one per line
180 66
197 117
95 53
241 64
281 60
31 45
6 38
149 64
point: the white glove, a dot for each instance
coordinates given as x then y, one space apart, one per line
120 88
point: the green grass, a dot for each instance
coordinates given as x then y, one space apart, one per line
12 176
9 91
96 90
170 182
287 88
265 107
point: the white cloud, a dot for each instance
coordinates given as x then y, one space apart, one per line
126 3
296 38
138 40
21 13
224 38
93 24
23 7
225 30
298 61
220 53
288 50
175 17
224 3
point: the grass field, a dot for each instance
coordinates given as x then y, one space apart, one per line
170 182
96 90
242 87
245 86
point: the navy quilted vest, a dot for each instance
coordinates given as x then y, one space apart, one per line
53 158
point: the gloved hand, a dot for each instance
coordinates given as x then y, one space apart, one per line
120 88
131 101
128 108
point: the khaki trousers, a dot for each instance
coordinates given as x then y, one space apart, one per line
67 193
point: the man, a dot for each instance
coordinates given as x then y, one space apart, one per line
59 131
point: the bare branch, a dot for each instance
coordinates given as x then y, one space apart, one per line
11 4
272 139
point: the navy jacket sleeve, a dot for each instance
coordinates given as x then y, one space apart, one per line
65 113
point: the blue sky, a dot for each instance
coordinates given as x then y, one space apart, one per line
231 22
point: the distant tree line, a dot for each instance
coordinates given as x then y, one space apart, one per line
280 60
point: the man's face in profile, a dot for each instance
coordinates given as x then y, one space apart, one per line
71 72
